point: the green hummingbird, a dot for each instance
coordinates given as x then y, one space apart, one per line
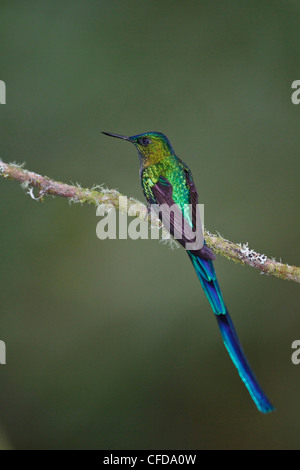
167 182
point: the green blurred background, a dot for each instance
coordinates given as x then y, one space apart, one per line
112 344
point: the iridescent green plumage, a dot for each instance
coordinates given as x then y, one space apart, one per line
158 161
167 180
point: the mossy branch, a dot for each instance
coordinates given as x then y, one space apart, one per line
99 195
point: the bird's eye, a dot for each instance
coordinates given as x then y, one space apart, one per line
144 141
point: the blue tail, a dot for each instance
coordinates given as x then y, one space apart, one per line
207 276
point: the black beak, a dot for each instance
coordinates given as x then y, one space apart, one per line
117 136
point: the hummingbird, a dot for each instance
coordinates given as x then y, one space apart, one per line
168 182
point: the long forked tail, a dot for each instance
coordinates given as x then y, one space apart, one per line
207 276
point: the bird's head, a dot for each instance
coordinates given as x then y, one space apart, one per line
152 147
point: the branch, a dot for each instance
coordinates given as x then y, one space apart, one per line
99 195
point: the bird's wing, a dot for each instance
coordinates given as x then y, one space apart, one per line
205 252
193 193
174 220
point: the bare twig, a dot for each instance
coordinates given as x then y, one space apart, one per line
99 195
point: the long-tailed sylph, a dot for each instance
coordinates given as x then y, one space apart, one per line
167 180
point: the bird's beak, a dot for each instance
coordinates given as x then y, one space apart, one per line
117 136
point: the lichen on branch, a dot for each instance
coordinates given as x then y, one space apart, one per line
98 195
